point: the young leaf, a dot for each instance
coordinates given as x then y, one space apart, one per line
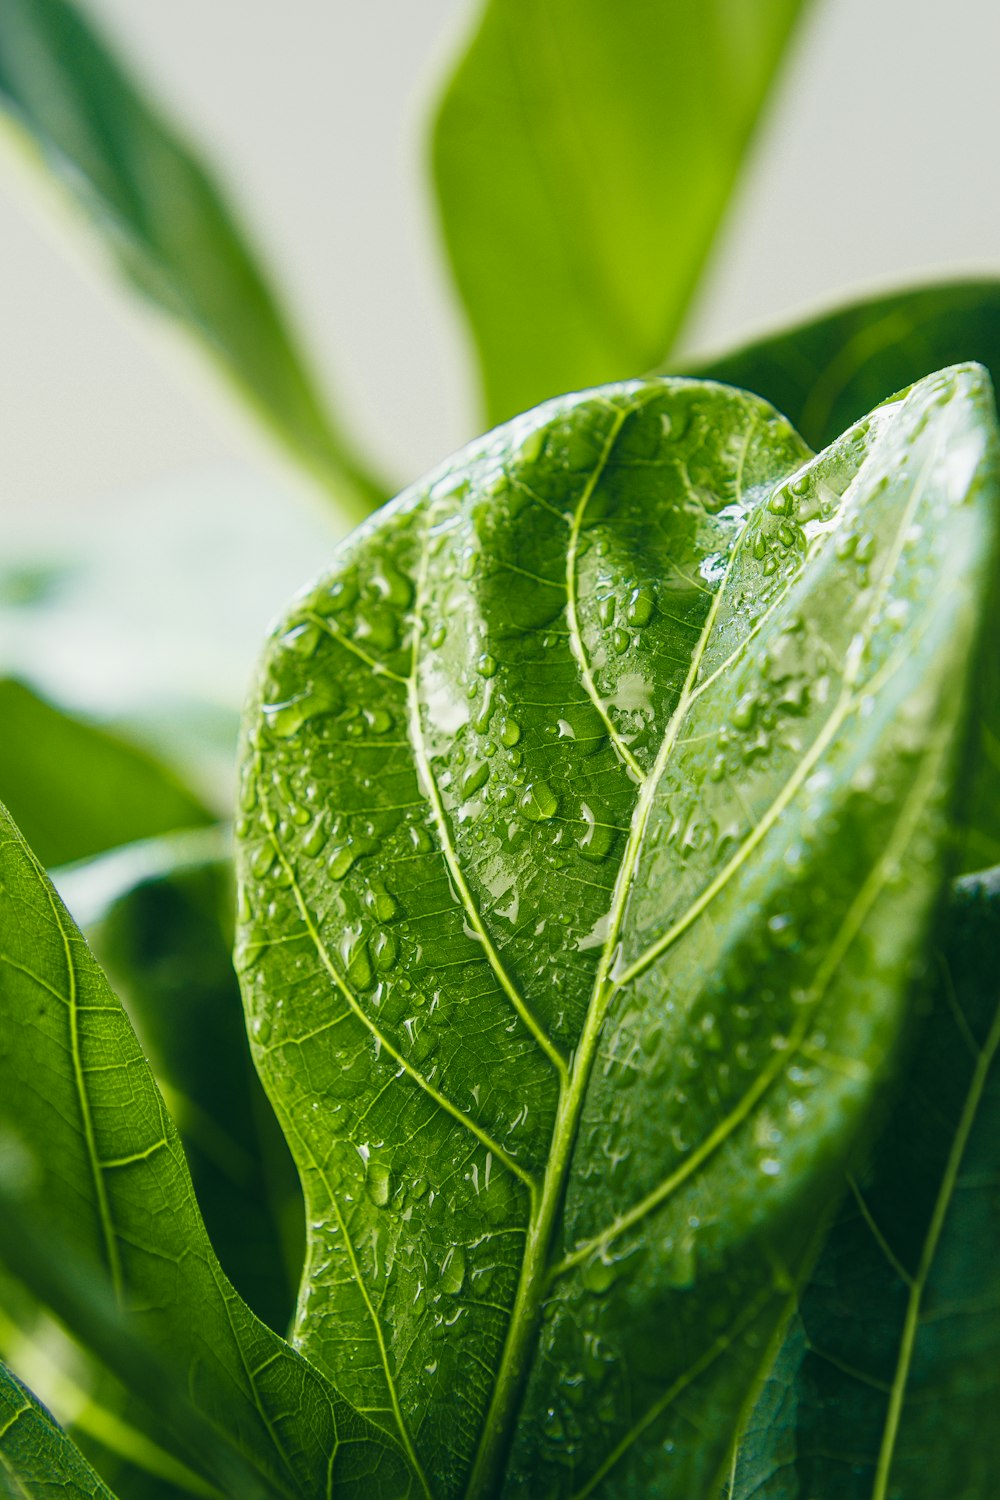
36 1456
827 373
77 789
890 1375
583 156
165 222
592 809
91 1164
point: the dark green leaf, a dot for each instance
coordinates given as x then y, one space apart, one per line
37 1459
826 373
583 155
593 806
77 789
165 222
159 918
891 1377
98 1218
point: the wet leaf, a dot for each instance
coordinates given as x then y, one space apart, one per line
890 1375
592 814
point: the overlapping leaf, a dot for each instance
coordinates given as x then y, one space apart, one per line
591 819
583 156
36 1457
161 216
98 1218
888 1383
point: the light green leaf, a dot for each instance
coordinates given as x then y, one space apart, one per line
583 155
91 1167
592 810
77 789
164 221
826 374
37 1459
892 1373
159 918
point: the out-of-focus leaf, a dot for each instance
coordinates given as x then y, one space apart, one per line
826 373
37 1460
583 155
77 789
159 918
166 224
889 1384
99 1220
594 809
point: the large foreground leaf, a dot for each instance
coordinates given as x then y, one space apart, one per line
592 808
98 1218
75 788
891 1376
36 1456
583 155
164 221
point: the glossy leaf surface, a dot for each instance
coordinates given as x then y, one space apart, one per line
892 1373
590 821
583 155
76 789
37 1459
164 221
92 1164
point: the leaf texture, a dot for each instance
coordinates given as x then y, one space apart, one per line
165 223
583 155
891 1375
37 1460
591 814
91 1166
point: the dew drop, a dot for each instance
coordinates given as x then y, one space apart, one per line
510 731
378 1183
453 1271
538 801
475 778
640 607
486 666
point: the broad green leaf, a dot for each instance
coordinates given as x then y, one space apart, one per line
159 917
165 223
37 1459
583 154
826 374
98 1218
77 789
890 1376
592 810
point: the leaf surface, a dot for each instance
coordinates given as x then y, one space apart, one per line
37 1460
590 821
91 1164
583 155
77 789
163 220
891 1374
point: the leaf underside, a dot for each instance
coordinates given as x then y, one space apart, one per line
887 1386
591 814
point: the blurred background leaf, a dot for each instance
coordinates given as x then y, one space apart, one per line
166 224
583 156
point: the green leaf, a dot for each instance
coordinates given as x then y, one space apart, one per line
890 1375
77 789
159 917
37 1459
98 1219
583 156
165 223
592 816
826 373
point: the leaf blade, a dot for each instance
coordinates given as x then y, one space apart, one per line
425 712
36 1456
166 224
582 164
